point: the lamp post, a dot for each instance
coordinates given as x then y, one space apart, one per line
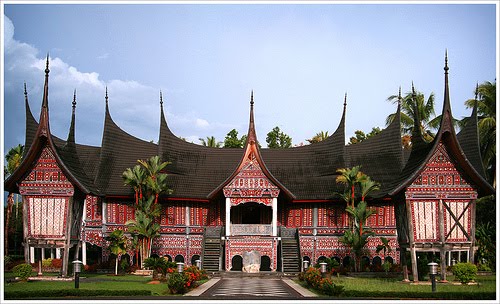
180 267
305 264
77 268
322 268
433 271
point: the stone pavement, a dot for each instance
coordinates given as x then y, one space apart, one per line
252 287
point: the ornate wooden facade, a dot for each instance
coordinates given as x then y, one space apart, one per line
74 194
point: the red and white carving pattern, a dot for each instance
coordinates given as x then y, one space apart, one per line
46 178
251 182
264 245
173 245
119 212
94 236
299 216
457 207
439 182
173 213
47 216
93 211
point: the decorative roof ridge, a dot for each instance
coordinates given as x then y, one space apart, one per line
446 134
251 146
42 138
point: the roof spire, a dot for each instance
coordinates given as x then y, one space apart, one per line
106 96
74 100
446 68
161 99
252 137
446 119
475 98
45 101
345 100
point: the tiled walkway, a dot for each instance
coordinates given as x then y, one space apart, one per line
251 288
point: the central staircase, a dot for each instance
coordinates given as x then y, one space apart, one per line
211 255
290 250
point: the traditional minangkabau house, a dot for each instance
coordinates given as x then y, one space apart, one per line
279 202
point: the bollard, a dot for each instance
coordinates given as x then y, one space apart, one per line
180 267
77 268
432 272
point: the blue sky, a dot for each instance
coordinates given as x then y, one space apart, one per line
299 60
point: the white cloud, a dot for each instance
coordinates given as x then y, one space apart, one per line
202 123
134 106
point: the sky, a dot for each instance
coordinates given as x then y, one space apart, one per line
299 59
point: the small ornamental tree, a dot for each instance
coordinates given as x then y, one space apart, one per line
117 245
465 272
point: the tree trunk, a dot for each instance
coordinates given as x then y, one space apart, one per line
116 265
10 203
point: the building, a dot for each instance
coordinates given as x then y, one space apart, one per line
279 202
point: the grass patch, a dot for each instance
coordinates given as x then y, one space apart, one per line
91 285
355 287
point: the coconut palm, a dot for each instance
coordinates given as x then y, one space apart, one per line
14 158
210 142
117 245
486 110
425 109
320 136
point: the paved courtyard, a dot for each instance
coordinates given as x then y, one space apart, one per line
251 288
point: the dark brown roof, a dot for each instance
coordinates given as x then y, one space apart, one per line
469 141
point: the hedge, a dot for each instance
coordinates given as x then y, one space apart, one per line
10 295
448 295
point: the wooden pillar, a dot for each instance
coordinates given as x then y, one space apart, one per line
442 250
472 231
228 216
402 254
43 254
25 230
58 253
315 218
275 216
67 242
52 253
414 269
32 255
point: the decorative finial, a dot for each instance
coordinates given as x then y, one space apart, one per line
345 99
74 99
25 91
477 90
399 96
106 97
413 94
161 99
251 99
47 65
446 68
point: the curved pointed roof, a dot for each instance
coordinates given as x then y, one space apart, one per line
41 139
446 134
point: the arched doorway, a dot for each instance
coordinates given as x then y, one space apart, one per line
265 263
237 263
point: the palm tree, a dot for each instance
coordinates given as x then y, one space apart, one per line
145 227
425 110
156 181
350 178
320 136
357 238
367 186
486 110
117 246
14 158
210 142
135 178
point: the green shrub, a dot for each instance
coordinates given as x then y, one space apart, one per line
465 272
483 267
176 282
54 293
313 277
386 266
47 263
23 271
329 288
